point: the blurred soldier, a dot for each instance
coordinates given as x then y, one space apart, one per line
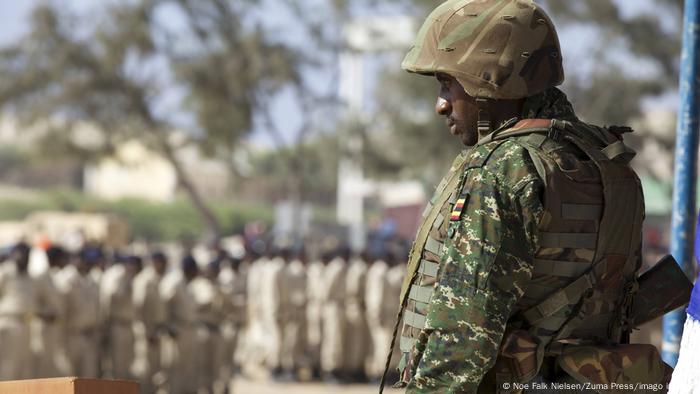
294 333
273 295
210 303
394 280
82 316
233 285
150 320
377 296
181 317
315 290
333 344
51 311
119 315
256 338
356 331
17 306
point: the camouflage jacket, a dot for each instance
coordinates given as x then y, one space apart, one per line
485 264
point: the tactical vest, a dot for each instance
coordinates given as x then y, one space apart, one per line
584 273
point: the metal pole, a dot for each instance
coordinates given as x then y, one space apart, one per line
684 185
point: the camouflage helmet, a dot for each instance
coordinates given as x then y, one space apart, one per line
496 49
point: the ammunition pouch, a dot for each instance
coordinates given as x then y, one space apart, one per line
616 368
519 359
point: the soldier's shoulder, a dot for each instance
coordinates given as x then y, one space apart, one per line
508 161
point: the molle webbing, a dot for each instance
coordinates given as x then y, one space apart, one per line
430 216
581 240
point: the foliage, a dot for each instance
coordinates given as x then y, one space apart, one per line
118 72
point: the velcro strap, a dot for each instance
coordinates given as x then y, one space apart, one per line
569 295
433 246
414 320
438 221
619 151
565 269
428 268
406 344
568 240
581 211
420 293
537 139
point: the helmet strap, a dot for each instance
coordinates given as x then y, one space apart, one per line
483 123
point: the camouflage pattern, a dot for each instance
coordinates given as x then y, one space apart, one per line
485 266
620 368
497 49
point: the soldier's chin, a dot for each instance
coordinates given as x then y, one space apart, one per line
468 138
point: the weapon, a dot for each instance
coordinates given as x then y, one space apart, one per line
662 288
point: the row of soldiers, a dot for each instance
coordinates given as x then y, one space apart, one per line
187 329
331 318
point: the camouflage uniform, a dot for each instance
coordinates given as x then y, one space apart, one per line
515 273
485 267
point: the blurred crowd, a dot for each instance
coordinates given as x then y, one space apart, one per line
179 325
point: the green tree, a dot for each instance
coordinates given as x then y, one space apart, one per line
121 72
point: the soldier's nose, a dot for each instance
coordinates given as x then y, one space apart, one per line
443 107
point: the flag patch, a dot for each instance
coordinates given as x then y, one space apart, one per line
457 210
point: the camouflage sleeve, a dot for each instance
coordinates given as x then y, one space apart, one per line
485 268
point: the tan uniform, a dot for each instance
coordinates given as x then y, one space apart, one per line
294 335
17 307
181 318
119 316
256 339
395 277
48 346
82 321
377 297
356 329
273 297
332 345
210 304
315 291
150 320
233 285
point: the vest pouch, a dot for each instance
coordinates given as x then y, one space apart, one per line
617 368
519 360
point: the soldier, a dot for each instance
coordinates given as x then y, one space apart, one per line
118 316
238 294
333 339
211 305
357 332
81 295
376 296
50 353
315 293
150 320
294 356
181 318
256 346
17 307
273 295
532 241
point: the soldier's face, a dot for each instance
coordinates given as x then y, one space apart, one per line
458 108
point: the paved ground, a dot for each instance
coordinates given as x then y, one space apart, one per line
247 386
